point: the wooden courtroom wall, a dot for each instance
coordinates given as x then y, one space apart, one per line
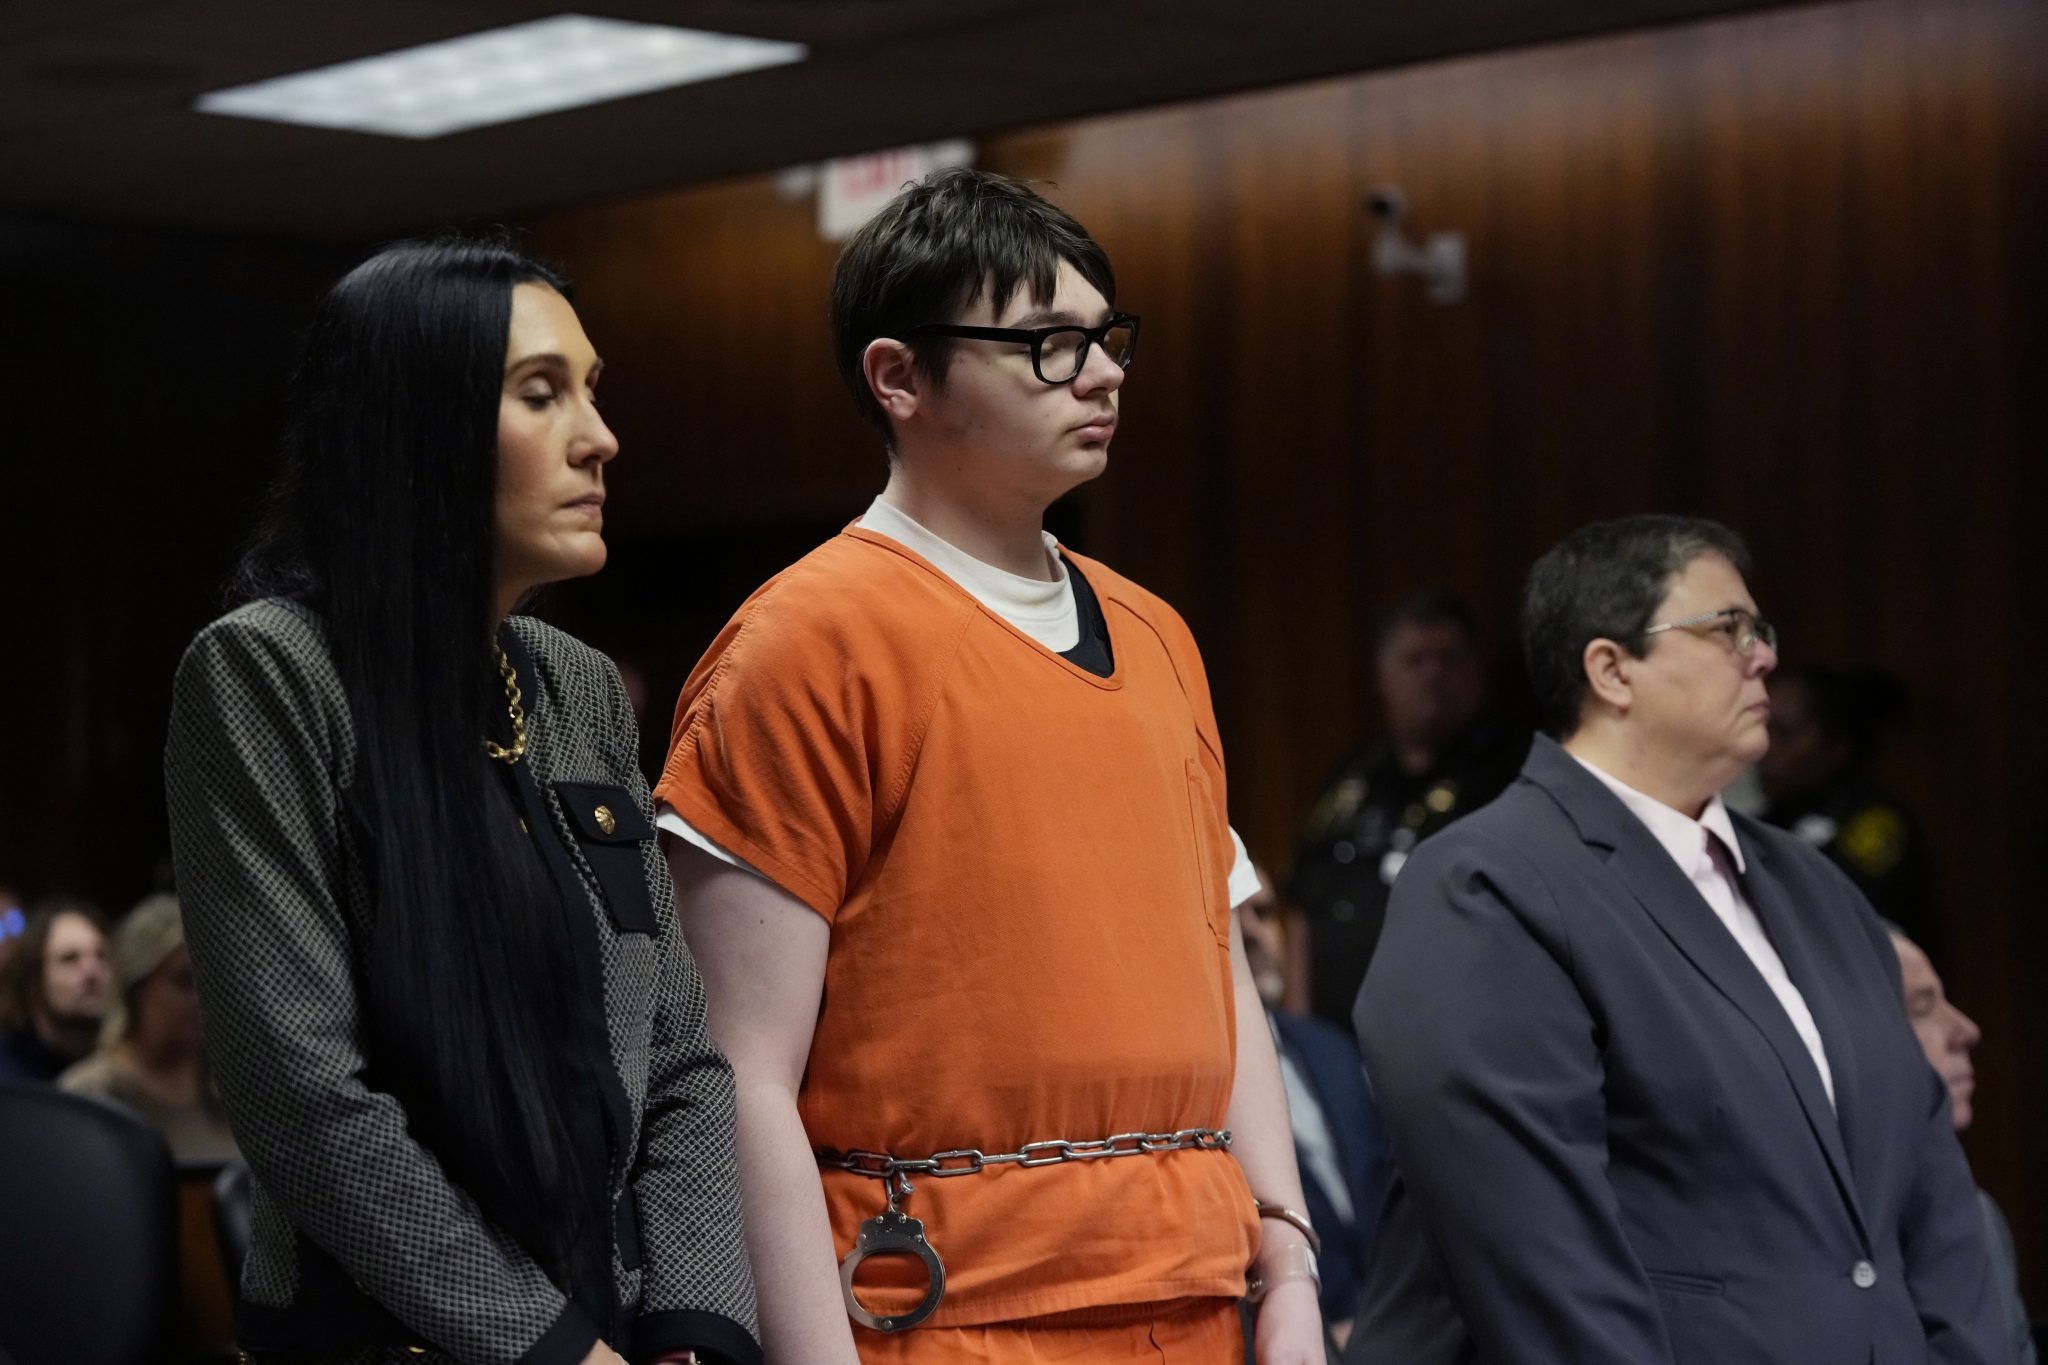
149 369
1782 270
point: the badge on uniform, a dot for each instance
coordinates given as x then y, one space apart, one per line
1396 858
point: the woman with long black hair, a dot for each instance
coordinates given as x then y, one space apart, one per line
454 1024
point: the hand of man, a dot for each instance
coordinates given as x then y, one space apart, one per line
1290 1326
602 1354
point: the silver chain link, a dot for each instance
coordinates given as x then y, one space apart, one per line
972 1161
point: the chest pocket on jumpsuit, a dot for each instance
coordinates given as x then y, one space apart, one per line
1212 851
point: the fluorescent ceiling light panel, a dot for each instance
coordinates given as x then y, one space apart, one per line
499 75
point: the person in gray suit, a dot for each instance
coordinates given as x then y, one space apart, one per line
1650 1093
456 1029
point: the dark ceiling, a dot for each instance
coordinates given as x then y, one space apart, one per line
96 118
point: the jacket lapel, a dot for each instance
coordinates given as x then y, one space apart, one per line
1675 905
1782 920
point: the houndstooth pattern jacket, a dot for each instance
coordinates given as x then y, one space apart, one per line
362 1249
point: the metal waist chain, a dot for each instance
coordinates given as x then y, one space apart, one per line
895 1233
971 1161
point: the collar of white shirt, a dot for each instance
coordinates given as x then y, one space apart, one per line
1678 832
1044 610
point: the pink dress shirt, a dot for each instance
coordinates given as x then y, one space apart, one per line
1704 849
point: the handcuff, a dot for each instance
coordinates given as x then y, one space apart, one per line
1303 1257
893 1232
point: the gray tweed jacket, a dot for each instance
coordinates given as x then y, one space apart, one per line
362 1247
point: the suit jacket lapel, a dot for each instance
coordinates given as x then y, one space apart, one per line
1782 920
1671 900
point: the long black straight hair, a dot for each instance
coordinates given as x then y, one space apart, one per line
384 521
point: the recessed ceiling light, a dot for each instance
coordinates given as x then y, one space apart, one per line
499 75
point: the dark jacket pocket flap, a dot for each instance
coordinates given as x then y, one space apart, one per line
602 814
609 831
1681 1283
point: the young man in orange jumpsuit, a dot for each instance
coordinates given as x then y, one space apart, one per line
950 836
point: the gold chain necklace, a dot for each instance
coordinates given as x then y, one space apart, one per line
512 709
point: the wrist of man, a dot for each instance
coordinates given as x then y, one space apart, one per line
1279 1240
1281 1263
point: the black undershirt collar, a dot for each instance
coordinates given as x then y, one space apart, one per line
1092 651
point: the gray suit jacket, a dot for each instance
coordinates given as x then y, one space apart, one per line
1610 1145
2005 1264
359 1238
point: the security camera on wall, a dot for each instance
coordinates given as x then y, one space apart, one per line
1387 204
1438 261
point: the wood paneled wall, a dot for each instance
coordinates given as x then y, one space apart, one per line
1782 270
148 370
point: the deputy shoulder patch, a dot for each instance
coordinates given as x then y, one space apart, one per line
1874 840
1339 804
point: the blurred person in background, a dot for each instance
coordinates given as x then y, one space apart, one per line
1948 1036
55 987
1440 758
1828 726
1338 1144
452 1019
151 1056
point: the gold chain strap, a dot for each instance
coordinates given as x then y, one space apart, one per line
514 710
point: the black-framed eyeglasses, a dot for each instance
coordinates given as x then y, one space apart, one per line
1057 353
1743 627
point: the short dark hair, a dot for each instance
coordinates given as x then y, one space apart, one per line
930 253
1602 582
1425 607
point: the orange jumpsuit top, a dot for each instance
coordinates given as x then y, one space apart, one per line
1024 868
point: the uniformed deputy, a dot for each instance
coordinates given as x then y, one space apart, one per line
1827 725
1440 758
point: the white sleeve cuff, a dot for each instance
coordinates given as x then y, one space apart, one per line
665 817
1244 878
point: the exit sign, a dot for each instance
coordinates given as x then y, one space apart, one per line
853 189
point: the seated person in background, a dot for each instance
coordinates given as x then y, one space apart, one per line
1947 1035
53 992
151 1055
1827 725
1337 1139
1440 758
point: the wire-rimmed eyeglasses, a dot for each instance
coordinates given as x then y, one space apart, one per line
1743 627
1057 353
